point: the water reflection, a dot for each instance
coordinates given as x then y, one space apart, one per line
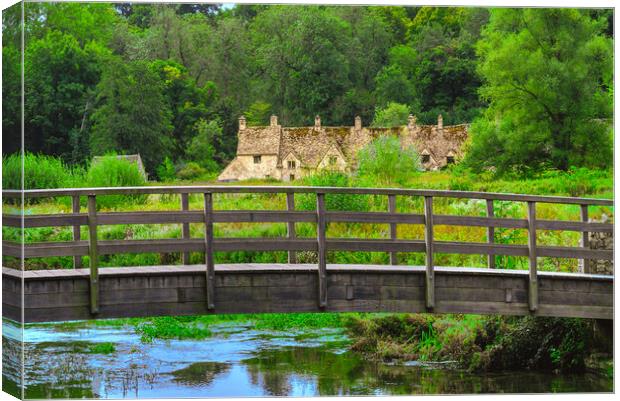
239 361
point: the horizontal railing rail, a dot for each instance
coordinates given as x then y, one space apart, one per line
93 247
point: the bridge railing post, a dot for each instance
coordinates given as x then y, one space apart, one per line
533 276
210 267
428 237
93 254
290 228
77 235
392 210
322 251
585 241
185 229
490 234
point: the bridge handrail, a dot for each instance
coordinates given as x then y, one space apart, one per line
208 216
222 189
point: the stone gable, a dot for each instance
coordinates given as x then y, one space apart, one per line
287 153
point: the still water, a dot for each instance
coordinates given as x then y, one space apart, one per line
240 361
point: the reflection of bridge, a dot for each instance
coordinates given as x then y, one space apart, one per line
53 295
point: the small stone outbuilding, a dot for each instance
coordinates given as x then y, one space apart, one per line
288 153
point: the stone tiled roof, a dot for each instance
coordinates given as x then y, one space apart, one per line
310 144
259 141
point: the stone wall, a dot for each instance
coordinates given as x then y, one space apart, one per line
599 240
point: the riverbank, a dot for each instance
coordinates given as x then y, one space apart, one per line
475 343
241 357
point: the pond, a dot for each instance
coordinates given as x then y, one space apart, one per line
239 361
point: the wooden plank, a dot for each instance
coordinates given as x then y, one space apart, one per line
475 248
290 227
474 221
50 220
533 275
93 255
46 193
575 253
11 220
574 225
490 234
210 269
363 245
322 248
374 217
263 216
185 228
77 235
428 237
393 227
10 248
585 241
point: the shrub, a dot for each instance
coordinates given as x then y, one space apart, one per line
166 171
344 202
385 161
40 171
393 115
191 171
111 171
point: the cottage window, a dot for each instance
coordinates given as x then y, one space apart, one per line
292 177
257 159
332 160
450 159
291 164
426 158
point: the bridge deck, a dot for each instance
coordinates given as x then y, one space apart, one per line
59 295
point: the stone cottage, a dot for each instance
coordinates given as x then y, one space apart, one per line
288 153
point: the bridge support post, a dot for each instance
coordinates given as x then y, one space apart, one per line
77 235
322 254
533 276
585 241
186 235
490 234
210 267
93 254
392 209
290 228
428 237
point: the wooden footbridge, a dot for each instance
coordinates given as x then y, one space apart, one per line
93 292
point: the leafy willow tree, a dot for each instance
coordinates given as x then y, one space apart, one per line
132 115
547 77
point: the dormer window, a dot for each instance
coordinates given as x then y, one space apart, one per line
292 165
450 159
257 159
426 158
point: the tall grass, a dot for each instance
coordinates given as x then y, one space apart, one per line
40 171
111 171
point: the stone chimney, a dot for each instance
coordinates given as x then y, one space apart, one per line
241 123
358 123
411 121
439 122
273 121
317 122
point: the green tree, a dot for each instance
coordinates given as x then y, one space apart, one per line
60 77
258 113
301 55
187 102
201 149
393 115
545 73
132 115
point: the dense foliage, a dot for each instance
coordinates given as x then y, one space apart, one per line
160 80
